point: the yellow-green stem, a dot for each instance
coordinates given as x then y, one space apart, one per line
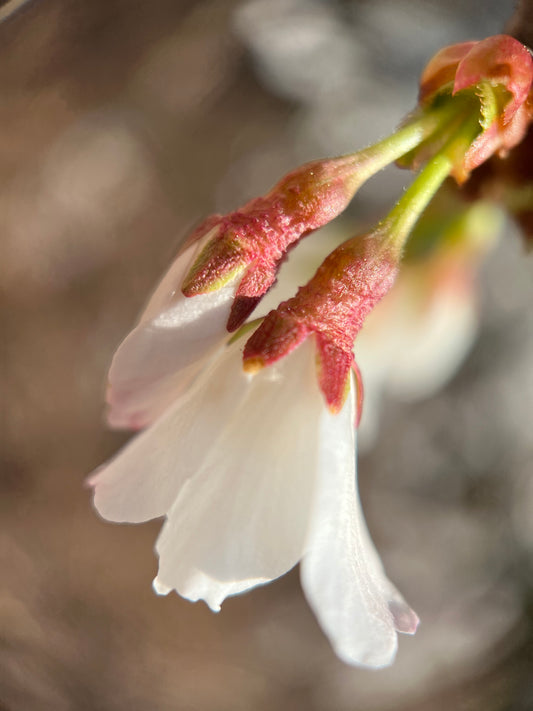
369 161
402 218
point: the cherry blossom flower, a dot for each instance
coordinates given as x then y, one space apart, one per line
253 475
255 472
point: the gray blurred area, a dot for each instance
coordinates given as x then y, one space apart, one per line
122 123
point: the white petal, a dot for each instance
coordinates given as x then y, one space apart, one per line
168 289
144 479
242 519
355 604
418 336
435 346
166 350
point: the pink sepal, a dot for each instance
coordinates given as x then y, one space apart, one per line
253 240
441 69
501 61
334 372
333 306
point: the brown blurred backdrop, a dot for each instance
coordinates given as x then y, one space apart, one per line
121 124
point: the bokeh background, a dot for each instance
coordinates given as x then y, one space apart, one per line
122 123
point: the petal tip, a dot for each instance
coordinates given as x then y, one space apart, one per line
213 605
370 658
405 619
90 481
159 587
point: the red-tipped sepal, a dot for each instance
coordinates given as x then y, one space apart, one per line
334 366
251 242
333 306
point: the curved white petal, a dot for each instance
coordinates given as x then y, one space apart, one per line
242 519
166 350
342 577
168 289
143 480
418 336
413 343
435 346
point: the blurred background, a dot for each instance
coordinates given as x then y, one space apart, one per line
122 123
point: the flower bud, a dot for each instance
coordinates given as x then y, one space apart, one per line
496 74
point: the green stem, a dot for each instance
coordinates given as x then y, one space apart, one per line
370 160
403 216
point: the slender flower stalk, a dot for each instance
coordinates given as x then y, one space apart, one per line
418 195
